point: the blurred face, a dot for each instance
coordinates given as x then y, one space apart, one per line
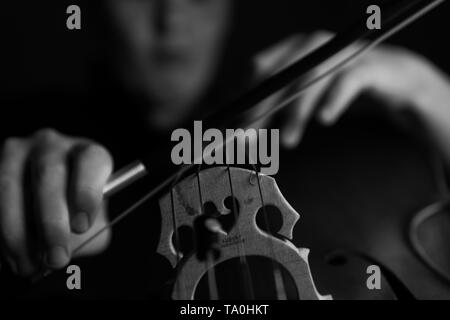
171 51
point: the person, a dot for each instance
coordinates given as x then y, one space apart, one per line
169 54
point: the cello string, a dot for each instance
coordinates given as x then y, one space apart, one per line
176 233
248 282
373 43
279 283
211 274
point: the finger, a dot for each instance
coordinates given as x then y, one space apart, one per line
288 51
92 166
299 114
49 177
13 224
276 57
342 91
101 241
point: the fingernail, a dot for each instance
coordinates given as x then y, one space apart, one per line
56 257
80 223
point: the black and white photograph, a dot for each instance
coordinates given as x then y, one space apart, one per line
225 153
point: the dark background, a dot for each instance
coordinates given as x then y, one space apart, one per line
354 185
37 50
